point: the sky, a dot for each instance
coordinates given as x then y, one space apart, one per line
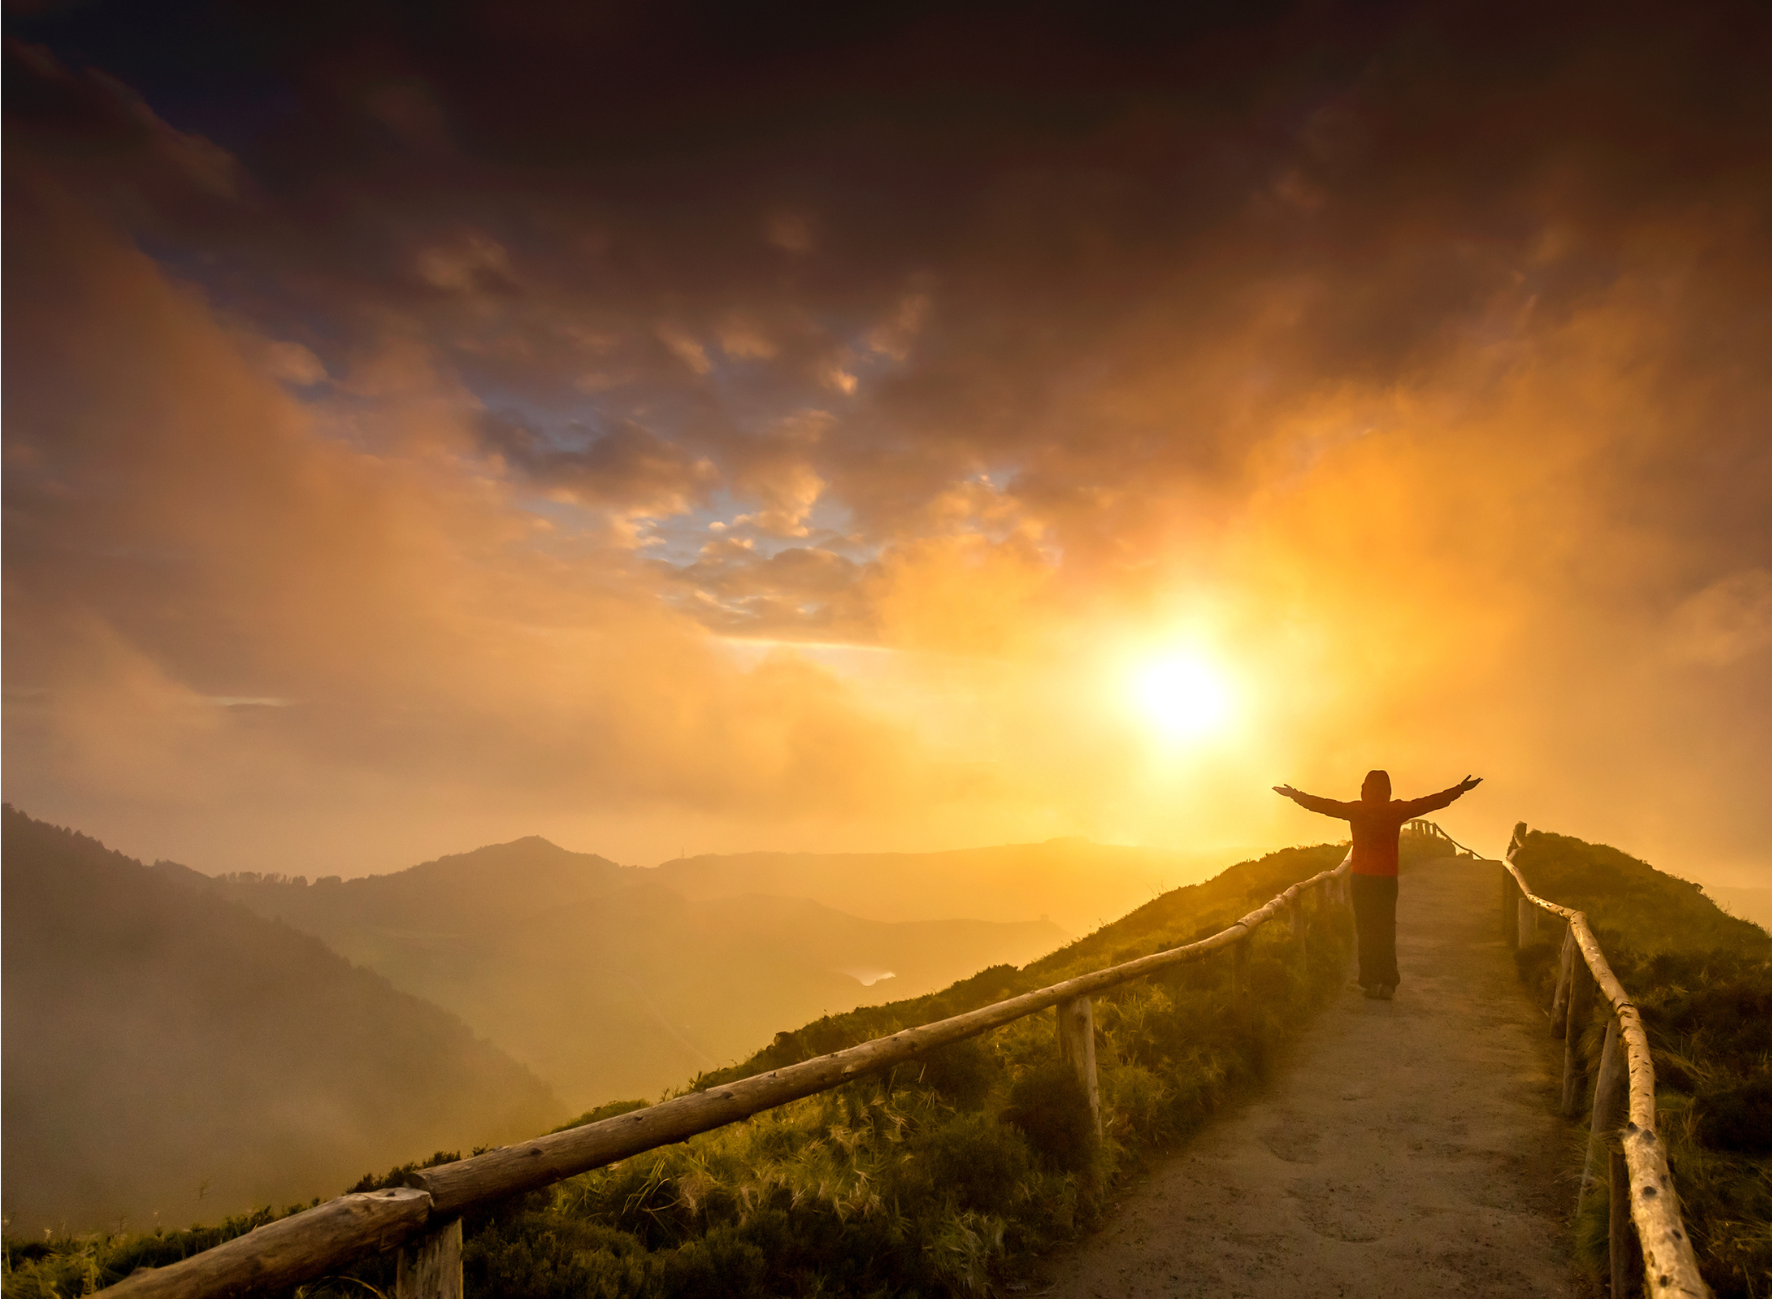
708 428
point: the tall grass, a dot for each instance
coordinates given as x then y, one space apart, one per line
1702 980
946 1176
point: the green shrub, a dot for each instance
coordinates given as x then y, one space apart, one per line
962 1072
1049 1107
1138 1100
981 1162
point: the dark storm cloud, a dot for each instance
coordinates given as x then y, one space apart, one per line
625 466
695 224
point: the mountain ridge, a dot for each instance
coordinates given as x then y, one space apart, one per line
555 954
170 1053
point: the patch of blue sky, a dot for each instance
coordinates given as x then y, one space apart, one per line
230 285
678 539
566 419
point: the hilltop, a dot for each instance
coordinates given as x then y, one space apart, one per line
171 1055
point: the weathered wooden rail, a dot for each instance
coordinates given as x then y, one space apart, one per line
423 1219
1623 1124
1428 830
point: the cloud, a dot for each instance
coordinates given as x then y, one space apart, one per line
627 468
1727 621
293 363
470 262
789 231
1419 384
742 338
686 348
180 529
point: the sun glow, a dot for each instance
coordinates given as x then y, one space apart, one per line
1182 696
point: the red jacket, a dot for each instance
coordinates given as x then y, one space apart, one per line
1376 825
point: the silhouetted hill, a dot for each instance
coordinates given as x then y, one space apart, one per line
1075 883
171 1054
604 979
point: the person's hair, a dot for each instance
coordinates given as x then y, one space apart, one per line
1380 779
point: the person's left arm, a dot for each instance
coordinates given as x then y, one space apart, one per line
1445 798
1314 803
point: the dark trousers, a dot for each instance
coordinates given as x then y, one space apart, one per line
1375 920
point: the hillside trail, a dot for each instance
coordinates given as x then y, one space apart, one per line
1406 1147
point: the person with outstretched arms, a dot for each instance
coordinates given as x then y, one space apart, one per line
1377 819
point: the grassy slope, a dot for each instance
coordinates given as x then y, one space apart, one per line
1703 982
937 1179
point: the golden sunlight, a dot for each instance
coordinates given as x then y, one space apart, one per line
1183 696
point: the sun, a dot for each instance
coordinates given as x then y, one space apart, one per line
1182 696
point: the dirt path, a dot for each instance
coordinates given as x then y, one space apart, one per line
1404 1148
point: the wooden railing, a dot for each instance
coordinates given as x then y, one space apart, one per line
423 1219
1428 830
1623 1124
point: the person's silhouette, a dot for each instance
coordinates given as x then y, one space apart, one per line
1377 819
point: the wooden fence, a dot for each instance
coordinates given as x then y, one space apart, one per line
1428 830
1623 1126
423 1219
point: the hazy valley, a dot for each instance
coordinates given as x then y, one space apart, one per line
608 980
1078 884
188 1046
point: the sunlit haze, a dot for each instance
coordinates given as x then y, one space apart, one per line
1183 697
873 433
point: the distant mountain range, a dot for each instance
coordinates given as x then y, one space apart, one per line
170 1056
193 1045
1077 884
608 980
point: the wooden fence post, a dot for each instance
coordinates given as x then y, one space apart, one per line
1510 916
430 1268
1076 1044
1240 982
1611 1103
1579 1011
1610 1099
1528 922
1559 1016
1618 1226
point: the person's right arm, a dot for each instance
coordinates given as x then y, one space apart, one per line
1325 806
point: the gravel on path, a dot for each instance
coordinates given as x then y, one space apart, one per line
1406 1147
